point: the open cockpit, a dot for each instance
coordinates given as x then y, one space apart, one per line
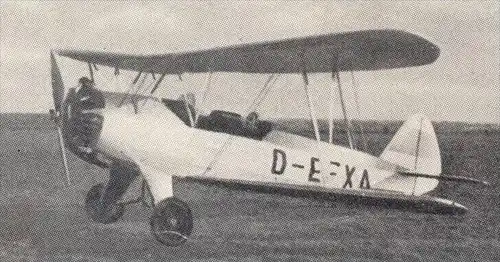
221 121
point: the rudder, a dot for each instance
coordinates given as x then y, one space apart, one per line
415 148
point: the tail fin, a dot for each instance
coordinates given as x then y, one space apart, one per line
414 148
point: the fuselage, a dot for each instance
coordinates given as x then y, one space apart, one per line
163 142
161 145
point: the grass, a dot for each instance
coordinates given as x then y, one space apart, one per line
42 220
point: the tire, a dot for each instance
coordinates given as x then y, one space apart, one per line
98 211
171 222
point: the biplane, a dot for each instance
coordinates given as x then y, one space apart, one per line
137 135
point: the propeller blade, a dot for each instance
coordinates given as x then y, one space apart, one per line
58 96
57 83
63 155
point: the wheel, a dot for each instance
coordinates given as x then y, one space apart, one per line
171 222
97 210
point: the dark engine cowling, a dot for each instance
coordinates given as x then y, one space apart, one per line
82 124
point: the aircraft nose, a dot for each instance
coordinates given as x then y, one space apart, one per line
82 124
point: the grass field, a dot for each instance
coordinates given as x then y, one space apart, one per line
41 220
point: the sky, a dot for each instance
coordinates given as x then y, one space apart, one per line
462 85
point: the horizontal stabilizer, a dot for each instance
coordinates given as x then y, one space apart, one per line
445 177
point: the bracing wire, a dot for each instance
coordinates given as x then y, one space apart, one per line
133 97
140 86
143 91
358 112
208 83
150 87
270 86
207 87
309 102
344 112
155 85
262 93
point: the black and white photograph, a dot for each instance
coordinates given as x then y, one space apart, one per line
250 130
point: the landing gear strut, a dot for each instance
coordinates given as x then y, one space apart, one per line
97 210
171 222
101 203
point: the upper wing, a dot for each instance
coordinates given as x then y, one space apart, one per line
359 50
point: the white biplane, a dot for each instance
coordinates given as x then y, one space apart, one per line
170 137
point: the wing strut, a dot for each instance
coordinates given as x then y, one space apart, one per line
139 90
335 75
139 87
91 72
358 111
331 110
188 110
310 105
130 88
157 83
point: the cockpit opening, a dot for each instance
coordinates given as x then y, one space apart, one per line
222 121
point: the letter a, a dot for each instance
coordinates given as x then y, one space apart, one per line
364 179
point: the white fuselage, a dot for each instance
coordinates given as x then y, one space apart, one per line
159 140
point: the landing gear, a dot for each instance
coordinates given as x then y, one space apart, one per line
98 210
102 202
171 222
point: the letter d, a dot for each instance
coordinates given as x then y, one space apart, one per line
278 154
